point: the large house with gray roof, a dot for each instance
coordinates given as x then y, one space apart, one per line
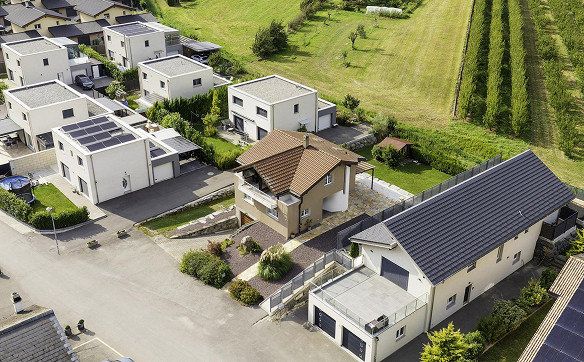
22 17
423 264
92 10
261 105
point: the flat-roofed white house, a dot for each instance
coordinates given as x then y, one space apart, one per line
36 60
36 109
423 264
131 43
261 105
173 77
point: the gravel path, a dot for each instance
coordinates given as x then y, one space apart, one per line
303 256
262 234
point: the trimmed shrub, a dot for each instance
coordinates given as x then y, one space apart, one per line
214 248
42 219
383 126
226 160
207 267
242 291
14 205
226 243
548 276
274 263
576 245
505 316
354 250
351 102
532 295
249 246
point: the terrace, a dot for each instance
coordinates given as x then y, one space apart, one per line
566 222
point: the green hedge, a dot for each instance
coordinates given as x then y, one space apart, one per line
42 219
495 79
207 267
111 68
519 98
14 205
470 73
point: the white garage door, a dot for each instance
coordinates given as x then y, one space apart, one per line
163 172
78 72
324 122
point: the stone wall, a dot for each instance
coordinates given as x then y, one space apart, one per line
360 143
212 228
33 162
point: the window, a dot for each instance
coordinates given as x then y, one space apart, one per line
46 61
68 113
305 213
110 54
106 16
526 230
58 22
9 105
296 108
262 112
400 333
500 253
24 116
122 43
144 76
65 171
451 301
37 26
272 212
125 61
10 74
6 55
328 179
18 62
516 257
61 146
146 43
247 198
197 82
516 237
238 101
471 267
162 84
79 161
109 38
82 186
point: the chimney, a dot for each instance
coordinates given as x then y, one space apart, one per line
17 302
306 140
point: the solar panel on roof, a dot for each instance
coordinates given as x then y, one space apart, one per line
86 140
69 127
111 142
86 123
100 120
126 137
101 136
78 134
156 152
108 126
93 129
95 146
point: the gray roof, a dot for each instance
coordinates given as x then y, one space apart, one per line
94 7
450 231
29 34
56 4
199 46
43 94
132 29
273 89
22 15
180 144
174 65
142 18
74 30
31 46
8 126
34 335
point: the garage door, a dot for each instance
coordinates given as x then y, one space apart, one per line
354 344
324 322
75 73
324 122
394 273
163 172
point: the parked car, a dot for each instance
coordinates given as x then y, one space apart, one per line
200 58
84 82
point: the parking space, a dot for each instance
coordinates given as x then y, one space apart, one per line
95 350
342 134
100 83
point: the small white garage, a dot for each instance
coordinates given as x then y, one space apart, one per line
324 122
163 172
327 115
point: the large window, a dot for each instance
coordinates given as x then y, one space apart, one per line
68 113
262 112
238 101
83 186
46 61
328 179
65 171
272 212
144 76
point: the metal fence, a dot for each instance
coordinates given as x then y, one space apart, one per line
344 236
276 299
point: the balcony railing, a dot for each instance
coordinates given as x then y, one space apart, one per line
566 221
258 195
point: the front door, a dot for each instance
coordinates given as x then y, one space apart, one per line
238 121
467 292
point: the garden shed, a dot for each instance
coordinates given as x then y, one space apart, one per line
403 146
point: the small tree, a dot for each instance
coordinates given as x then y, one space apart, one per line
448 344
354 250
346 62
353 37
115 90
211 120
383 126
3 86
270 40
576 245
351 102
361 31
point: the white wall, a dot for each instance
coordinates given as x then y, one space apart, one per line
134 48
339 201
68 156
32 68
175 87
487 273
285 119
248 111
44 119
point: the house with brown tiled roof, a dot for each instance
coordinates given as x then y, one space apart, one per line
289 179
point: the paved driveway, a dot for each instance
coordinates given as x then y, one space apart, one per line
342 134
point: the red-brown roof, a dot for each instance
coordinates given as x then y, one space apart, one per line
394 142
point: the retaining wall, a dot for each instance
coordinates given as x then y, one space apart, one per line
33 162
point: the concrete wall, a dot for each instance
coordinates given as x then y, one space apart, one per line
33 162
32 68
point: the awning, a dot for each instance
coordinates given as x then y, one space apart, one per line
199 46
8 126
363 166
180 144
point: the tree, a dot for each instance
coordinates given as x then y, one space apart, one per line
351 102
352 37
211 120
3 86
271 40
115 90
346 61
383 126
448 344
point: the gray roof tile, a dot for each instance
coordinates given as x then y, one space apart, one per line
73 30
22 15
94 7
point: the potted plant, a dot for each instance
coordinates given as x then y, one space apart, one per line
92 244
81 325
68 331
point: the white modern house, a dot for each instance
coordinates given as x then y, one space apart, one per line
423 264
36 60
34 110
131 43
261 105
173 77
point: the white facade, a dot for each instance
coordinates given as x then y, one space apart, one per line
262 105
36 60
132 43
173 77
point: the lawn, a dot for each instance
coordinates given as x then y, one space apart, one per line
411 177
50 196
220 145
511 347
171 222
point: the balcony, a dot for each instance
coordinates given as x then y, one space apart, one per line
566 221
258 195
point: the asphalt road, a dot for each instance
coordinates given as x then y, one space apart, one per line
132 297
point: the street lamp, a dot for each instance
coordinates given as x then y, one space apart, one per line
50 211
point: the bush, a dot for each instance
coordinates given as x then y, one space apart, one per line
548 276
271 40
344 116
388 155
448 344
208 268
173 2
354 250
115 90
532 295
274 263
576 245
226 159
505 317
249 246
383 126
242 291
14 205
214 248
224 64
226 243
42 219
351 102
475 343
3 86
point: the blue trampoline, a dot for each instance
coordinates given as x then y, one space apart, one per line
20 186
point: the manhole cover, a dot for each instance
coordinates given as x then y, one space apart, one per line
210 173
